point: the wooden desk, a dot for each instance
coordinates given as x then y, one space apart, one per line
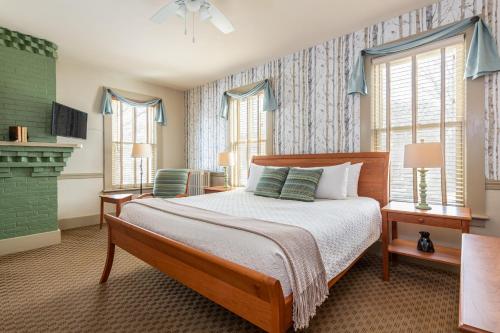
117 199
450 217
480 284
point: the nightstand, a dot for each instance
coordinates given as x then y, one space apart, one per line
450 217
117 199
216 189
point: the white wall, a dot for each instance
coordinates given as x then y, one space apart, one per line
80 86
492 227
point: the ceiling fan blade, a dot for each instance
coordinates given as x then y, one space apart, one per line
164 12
219 20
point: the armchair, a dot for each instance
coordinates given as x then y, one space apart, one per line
169 183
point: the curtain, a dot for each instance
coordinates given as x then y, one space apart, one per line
269 100
482 58
108 94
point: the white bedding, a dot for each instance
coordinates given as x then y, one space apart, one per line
343 229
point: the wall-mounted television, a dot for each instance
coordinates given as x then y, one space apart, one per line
69 122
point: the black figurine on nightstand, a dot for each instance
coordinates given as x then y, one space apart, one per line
424 243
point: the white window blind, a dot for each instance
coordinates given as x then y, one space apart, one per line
420 95
131 125
247 134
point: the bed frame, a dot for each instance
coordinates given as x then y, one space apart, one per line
249 294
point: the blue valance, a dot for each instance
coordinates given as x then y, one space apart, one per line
482 58
107 109
269 100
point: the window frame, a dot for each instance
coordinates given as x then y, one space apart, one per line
417 126
475 181
108 153
269 119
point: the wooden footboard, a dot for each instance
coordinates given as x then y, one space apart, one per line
251 295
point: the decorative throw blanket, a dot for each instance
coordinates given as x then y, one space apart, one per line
303 260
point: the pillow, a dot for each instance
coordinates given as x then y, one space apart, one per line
271 182
255 173
333 182
352 179
301 184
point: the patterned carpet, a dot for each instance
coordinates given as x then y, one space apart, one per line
56 289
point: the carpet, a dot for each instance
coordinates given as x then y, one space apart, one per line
56 289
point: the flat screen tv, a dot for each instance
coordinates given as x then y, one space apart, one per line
69 122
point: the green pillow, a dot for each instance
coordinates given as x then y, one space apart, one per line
301 184
271 181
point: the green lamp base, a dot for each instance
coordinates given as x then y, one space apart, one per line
422 206
226 178
423 191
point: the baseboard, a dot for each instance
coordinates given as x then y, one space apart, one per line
78 222
29 242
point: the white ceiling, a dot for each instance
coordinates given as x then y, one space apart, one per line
118 35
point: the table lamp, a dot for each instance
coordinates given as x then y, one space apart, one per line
423 155
225 161
141 150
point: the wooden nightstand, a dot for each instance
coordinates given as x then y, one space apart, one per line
439 216
216 189
117 199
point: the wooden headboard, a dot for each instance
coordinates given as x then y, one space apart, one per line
373 180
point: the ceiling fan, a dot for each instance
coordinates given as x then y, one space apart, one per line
204 8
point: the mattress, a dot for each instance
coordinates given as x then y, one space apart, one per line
343 229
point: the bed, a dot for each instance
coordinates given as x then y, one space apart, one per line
254 286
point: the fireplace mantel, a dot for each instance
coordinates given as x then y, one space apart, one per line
39 159
39 144
28 193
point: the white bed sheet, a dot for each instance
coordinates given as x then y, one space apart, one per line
343 229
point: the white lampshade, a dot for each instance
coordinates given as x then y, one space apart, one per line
423 155
141 150
226 159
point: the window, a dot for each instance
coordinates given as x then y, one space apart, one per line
131 125
248 134
419 95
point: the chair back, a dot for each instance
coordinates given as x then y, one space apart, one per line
170 182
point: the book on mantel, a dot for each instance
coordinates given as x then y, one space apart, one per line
18 134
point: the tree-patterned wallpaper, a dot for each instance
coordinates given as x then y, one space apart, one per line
314 113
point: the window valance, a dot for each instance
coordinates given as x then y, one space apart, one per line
108 94
269 100
482 58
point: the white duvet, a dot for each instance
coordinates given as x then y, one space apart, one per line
343 229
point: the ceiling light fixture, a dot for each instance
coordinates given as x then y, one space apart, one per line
204 13
205 9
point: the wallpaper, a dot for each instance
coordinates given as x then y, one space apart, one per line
314 113
492 97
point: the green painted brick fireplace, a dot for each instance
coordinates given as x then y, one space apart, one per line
28 174
28 188
27 90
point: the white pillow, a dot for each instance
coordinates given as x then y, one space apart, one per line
352 179
333 182
254 177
